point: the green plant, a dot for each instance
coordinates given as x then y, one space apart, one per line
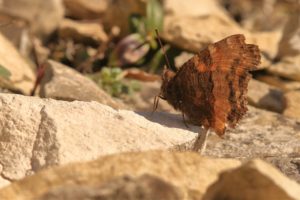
111 80
5 73
133 48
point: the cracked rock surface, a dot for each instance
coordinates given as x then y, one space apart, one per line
37 133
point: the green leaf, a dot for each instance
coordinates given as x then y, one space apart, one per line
4 72
154 16
155 62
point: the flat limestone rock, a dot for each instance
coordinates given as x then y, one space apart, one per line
38 133
253 180
188 171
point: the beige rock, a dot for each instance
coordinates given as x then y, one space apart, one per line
208 23
63 83
253 180
264 96
82 32
83 9
112 13
144 99
36 12
144 187
283 84
292 100
290 42
188 171
288 67
22 76
38 133
265 135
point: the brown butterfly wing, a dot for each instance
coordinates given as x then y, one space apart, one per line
211 87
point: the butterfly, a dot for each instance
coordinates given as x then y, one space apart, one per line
210 88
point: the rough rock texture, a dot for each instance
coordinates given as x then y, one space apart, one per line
22 76
289 44
36 12
112 13
188 171
262 134
63 83
253 180
83 9
37 133
264 96
82 32
292 100
184 27
144 187
288 67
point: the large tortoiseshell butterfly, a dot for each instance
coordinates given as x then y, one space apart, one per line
210 88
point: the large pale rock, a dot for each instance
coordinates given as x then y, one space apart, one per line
208 23
264 96
288 67
37 13
188 171
253 180
22 75
144 187
82 32
38 133
262 134
292 100
63 83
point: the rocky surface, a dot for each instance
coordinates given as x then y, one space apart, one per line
266 97
183 26
36 13
22 75
292 100
186 170
82 32
63 83
288 67
253 180
42 137
38 133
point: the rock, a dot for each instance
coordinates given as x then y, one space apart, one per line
186 30
288 67
82 9
253 180
82 32
145 187
63 83
22 75
144 99
289 44
261 134
37 13
292 100
281 83
38 133
186 170
264 96
112 13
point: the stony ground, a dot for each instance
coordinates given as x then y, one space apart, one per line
63 136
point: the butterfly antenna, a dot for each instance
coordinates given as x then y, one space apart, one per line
163 49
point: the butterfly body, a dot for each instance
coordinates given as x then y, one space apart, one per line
210 88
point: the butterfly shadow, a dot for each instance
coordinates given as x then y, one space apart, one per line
169 120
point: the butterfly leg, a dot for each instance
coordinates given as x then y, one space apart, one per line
200 143
184 121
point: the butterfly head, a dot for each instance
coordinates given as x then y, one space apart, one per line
167 76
